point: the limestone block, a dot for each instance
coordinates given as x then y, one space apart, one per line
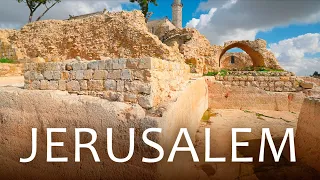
278 88
263 85
48 75
115 74
145 101
83 85
94 65
113 96
279 84
242 83
72 75
274 78
95 85
56 75
119 64
120 86
35 85
230 78
248 83
250 78
288 84
79 66
138 87
260 78
132 64
130 97
255 83
235 83
102 65
88 74
126 74
285 78
79 74
108 64
73 86
65 75
100 74
306 85
110 85
53 85
44 84
62 85
145 63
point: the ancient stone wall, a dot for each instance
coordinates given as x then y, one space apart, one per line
251 98
307 135
241 61
268 81
146 81
6 48
11 69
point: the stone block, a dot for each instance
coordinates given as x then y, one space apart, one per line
35 85
100 74
108 64
62 85
95 85
110 85
44 84
69 67
83 85
126 74
285 78
56 75
72 75
53 85
306 85
115 74
80 74
65 75
130 97
278 89
235 83
73 86
132 64
146 101
250 78
145 63
255 83
279 84
119 64
48 75
120 86
138 87
88 74
79 66
94 65
288 84
102 65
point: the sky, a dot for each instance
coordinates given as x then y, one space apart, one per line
290 27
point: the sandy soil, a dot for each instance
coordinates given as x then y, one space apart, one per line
16 81
221 124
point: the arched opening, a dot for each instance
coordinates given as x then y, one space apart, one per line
235 59
256 57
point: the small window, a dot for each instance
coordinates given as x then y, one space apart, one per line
232 60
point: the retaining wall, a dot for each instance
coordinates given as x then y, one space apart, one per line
268 81
146 81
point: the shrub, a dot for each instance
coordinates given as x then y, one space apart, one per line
5 60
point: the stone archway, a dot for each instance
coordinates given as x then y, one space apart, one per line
256 57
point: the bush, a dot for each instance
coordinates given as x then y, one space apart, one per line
211 74
5 60
223 72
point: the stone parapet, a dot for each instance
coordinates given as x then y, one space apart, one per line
146 81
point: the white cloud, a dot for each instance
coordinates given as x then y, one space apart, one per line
14 14
243 19
293 53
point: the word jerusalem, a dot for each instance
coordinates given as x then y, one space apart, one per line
266 135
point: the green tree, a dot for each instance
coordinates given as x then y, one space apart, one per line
33 5
144 6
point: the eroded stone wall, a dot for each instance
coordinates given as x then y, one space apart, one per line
146 81
241 61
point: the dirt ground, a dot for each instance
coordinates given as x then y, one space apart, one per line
16 81
221 123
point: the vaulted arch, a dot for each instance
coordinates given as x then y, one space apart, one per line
256 57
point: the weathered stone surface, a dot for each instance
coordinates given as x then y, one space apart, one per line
126 74
145 101
306 85
73 86
88 74
100 74
62 85
95 85
110 85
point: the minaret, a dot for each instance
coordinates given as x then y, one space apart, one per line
177 13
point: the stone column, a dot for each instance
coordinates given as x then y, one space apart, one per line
177 13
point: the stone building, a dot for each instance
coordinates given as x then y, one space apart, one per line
162 26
